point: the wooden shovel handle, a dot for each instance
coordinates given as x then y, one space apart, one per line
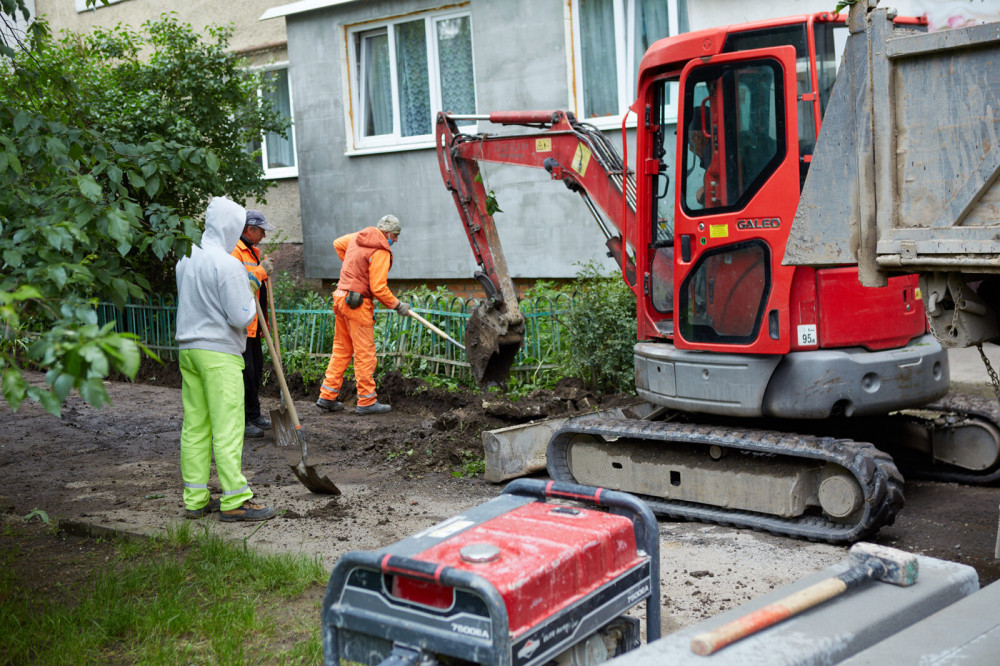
277 371
274 319
710 641
437 330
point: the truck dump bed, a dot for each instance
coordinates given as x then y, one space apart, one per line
904 177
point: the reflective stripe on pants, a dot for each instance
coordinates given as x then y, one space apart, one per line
212 393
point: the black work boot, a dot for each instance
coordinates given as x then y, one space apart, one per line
248 511
330 405
250 430
374 408
194 514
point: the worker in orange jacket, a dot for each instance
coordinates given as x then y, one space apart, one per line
258 268
367 260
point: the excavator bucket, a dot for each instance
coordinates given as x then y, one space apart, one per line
491 343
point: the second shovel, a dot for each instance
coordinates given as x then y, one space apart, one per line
285 432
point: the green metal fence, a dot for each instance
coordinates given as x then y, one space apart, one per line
402 342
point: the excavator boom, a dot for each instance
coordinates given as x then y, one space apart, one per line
575 153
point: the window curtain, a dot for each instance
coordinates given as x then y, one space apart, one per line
651 22
599 56
411 72
378 85
458 85
280 151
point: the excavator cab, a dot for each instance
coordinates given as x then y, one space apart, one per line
740 163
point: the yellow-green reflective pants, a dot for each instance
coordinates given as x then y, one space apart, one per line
212 392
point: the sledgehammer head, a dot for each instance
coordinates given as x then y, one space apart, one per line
887 565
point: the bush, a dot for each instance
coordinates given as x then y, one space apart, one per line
602 330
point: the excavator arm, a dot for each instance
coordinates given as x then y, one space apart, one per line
573 152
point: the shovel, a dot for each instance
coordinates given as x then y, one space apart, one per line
287 429
274 323
437 330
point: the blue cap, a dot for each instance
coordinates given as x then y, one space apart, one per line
255 218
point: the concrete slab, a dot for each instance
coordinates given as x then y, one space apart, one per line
828 633
967 632
520 449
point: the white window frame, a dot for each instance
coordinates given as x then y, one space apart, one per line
280 172
81 5
360 144
624 10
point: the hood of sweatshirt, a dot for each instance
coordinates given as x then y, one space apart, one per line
373 238
224 222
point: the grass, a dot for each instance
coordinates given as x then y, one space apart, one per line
471 466
188 597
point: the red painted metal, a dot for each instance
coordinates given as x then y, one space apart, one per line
875 318
549 559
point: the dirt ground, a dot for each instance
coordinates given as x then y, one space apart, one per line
401 472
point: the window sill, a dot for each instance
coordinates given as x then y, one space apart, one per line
279 174
81 5
394 148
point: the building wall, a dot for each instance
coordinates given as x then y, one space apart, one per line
712 13
262 42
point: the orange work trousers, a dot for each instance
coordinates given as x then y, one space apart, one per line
353 338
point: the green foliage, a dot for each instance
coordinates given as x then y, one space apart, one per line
408 347
602 326
842 4
299 360
545 306
110 143
292 295
472 465
39 514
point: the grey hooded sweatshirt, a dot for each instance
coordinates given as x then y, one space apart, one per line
214 300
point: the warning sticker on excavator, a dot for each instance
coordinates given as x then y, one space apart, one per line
543 145
581 158
718 231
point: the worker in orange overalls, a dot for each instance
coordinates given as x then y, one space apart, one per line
258 268
367 260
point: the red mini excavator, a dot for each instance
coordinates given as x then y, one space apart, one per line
770 379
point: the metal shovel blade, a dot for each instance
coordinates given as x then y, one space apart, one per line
309 476
286 435
283 428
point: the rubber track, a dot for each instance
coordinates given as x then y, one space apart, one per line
880 480
973 406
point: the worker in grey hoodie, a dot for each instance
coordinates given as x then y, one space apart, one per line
215 303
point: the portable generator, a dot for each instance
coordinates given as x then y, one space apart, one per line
523 579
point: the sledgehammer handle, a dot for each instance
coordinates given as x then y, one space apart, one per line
708 642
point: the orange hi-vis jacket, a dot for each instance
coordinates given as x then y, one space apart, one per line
251 261
367 260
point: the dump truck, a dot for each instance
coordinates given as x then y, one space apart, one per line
789 395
